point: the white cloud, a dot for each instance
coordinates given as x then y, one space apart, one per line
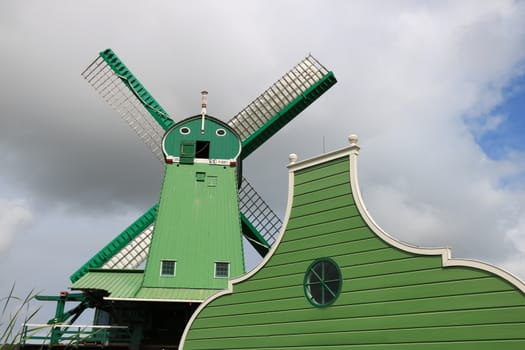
424 177
483 124
13 214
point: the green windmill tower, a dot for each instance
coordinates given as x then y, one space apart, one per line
191 240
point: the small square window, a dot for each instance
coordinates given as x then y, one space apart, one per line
222 270
168 267
212 181
200 176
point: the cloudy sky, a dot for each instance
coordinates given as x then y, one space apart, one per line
435 91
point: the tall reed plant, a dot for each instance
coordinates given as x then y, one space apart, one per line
15 311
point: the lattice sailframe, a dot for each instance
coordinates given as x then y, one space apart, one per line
121 97
259 213
134 253
282 93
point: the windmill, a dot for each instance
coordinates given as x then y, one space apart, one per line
191 241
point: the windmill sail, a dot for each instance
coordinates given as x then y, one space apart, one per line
260 224
280 103
260 120
134 253
124 93
126 251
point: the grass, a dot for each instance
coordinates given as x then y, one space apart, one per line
15 312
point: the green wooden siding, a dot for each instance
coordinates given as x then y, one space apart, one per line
197 225
390 299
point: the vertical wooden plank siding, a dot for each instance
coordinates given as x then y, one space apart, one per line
390 299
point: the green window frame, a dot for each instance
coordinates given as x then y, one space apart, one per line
322 282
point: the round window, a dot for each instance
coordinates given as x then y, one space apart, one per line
322 282
184 130
220 132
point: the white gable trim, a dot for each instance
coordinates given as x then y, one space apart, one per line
446 255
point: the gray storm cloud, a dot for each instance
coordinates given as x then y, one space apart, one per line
418 81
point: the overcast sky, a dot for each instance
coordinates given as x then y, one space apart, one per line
434 90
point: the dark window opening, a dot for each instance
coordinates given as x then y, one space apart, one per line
202 149
200 176
167 267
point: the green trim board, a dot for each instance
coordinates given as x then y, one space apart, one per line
393 295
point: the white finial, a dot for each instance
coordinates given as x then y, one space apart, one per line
354 147
293 158
204 99
352 138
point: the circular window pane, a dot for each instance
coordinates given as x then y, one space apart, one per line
322 282
184 130
220 132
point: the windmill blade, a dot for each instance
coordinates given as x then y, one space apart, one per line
282 102
128 250
123 91
260 120
132 254
260 224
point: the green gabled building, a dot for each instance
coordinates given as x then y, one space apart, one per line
336 280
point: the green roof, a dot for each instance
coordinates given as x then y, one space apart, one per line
126 284
118 283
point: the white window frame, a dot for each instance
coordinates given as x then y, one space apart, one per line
215 269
